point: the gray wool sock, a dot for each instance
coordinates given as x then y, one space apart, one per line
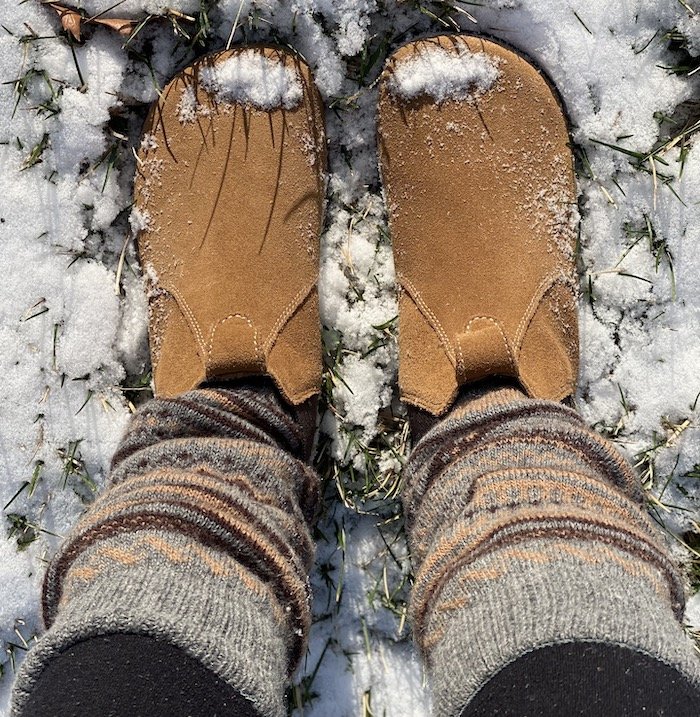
202 541
527 529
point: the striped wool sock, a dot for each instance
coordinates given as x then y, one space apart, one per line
202 541
528 530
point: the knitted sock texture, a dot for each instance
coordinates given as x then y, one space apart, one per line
528 529
202 540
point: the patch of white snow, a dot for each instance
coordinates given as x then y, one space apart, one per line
444 74
253 79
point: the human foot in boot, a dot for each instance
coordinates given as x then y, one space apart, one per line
229 202
479 183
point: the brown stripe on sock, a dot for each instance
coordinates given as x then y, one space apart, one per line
202 421
289 433
276 557
232 455
448 433
204 474
288 590
609 463
207 502
509 489
574 528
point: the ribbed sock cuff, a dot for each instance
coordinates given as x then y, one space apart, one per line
492 613
201 603
201 541
528 529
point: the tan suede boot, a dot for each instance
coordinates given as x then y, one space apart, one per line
229 207
480 192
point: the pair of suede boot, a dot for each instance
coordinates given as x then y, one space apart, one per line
541 586
480 192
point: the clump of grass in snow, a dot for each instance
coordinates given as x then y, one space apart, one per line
137 390
393 583
445 13
302 693
660 489
367 704
11 647
75 473
372 488
658 248
663 170
614 429
692 541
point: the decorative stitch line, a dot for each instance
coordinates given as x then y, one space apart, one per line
497 324
189 315
291 308
429 315
223 321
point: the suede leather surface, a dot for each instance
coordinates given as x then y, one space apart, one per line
481 200
231 206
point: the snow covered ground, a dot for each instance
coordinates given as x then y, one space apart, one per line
73 353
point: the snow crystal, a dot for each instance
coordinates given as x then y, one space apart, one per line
251 78
80 135
443 74
140 220
83 343
692 611
187 106
148 141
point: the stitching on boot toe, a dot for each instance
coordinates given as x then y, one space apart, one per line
189 317
430 317
218 324
286 315
545 286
